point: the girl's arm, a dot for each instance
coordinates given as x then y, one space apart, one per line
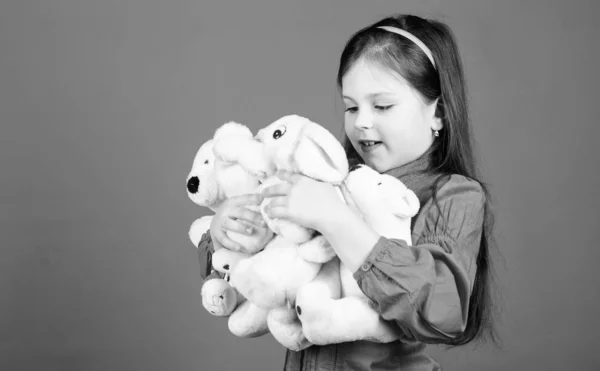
426 288
317 205
351 238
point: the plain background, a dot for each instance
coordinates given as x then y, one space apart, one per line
103 105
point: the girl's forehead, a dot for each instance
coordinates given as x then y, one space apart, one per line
367 78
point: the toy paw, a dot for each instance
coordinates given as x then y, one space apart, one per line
317 250
343 320
274 275
291 231
218 297
198 228
251 283
248 321
286 328
224 260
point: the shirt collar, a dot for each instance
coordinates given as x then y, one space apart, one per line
412 172
419 165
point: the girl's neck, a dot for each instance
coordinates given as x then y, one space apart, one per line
418 166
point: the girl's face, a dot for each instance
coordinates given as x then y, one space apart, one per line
387 120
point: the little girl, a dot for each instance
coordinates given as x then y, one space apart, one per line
406 115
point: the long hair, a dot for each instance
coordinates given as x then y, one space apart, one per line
451 152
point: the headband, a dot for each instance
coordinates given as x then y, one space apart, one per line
412 38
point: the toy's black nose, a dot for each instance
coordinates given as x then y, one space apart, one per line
192 184
357 166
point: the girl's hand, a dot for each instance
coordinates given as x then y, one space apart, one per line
302 200
233 216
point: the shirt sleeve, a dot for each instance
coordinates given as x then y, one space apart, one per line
425 288
205 251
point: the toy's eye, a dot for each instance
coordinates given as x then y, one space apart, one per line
279 132
206 162
379 183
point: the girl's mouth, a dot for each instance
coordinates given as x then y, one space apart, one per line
368 145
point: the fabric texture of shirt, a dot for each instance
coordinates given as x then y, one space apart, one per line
423 288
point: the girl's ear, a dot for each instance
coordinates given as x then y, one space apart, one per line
436 112
437 124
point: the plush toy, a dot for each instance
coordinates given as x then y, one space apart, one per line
332 307
271 278
212 180
292 143
197 188
209 183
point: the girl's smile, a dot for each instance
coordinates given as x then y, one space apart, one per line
369 145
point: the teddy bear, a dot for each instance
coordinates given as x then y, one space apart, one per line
271 277
218 297
332 308
213 180
209 183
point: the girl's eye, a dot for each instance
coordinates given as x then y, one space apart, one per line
351 109
383 108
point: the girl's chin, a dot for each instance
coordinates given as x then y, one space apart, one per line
374 165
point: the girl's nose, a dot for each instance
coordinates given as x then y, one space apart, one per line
363 121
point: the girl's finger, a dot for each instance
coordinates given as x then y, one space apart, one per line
248 199
277 201
288 176
229 244
277 212
247 215
238 227
280 189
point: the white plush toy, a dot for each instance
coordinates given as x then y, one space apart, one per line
213 180
271 278
209 183
332 307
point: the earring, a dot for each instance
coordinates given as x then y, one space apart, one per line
436 133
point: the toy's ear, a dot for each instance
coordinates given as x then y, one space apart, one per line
320 155
232 128
404 203
203 161
244 151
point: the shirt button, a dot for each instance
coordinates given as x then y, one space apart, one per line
365 267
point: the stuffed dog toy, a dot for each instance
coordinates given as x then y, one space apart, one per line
271 277
210 182
332 307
